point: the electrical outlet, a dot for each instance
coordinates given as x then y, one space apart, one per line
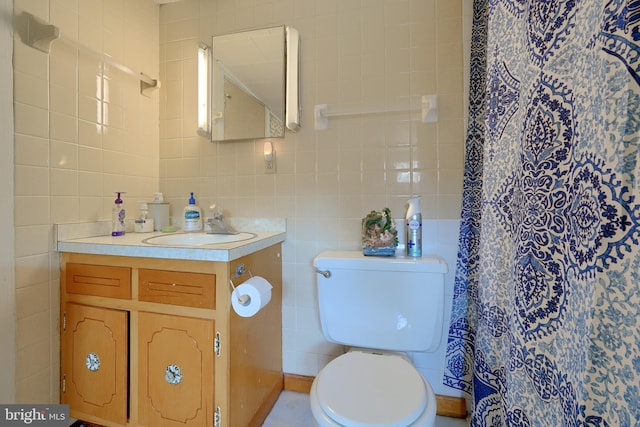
270 165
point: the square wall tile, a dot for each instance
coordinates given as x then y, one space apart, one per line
31 90
30 120
31 150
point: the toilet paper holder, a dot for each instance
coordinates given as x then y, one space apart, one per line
240 270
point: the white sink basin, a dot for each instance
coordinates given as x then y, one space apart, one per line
197 239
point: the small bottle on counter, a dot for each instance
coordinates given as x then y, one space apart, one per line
159 212
143 224
117 216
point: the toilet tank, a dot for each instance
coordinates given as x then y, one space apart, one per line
386 303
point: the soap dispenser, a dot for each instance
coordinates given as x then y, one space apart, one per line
117 217
192 216
413 226
143 224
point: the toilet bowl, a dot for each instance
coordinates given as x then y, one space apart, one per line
366 388
381 307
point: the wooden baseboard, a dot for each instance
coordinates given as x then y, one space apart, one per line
454 407
298 383
267 404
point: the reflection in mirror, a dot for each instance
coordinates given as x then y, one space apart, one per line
248 80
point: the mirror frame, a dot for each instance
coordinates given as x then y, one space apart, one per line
292 109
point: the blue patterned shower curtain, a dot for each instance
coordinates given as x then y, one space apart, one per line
545 329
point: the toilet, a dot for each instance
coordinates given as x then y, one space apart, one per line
380 307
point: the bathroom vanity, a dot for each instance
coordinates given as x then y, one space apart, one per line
149 337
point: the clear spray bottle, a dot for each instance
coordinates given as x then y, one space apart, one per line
413 226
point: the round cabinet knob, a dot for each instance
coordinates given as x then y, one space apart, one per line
173 374
93 362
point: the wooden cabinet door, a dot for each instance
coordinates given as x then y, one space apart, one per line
94 362
176 369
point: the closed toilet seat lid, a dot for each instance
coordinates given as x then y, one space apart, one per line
362 389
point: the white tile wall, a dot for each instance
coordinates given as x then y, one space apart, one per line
354 55
83 131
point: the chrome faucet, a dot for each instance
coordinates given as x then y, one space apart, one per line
215 224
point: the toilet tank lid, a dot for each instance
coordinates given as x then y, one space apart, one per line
354 260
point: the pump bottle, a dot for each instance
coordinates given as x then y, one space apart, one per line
117 217
413 226
143 224
192 216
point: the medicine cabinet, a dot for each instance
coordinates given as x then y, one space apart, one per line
254 84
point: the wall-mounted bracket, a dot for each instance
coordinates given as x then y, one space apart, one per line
40 35
148 85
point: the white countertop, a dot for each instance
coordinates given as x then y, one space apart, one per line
132 244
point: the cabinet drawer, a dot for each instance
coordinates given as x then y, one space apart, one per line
177 288
99 280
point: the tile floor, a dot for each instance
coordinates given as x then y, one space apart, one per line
292 410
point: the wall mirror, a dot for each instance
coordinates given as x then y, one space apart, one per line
254 84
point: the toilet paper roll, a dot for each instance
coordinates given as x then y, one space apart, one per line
251 296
